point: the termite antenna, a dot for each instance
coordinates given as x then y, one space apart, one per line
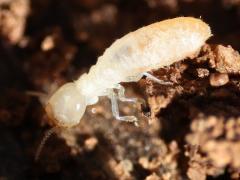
35 93
46 136
42 97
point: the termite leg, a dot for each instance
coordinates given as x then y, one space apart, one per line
135 78
123 98
115 110
121 95
153 78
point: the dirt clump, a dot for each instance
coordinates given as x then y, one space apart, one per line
208 108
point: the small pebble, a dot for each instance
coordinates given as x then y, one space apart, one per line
91 143
48 43
218 79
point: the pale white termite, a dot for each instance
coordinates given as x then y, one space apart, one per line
128 59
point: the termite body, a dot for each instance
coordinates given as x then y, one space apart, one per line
128 59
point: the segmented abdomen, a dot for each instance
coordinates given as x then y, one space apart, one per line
150 47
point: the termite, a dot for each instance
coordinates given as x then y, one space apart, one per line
128 59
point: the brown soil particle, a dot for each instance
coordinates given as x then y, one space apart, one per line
226 60
213 139
13 15
217 79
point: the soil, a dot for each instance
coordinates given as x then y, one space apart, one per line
188 130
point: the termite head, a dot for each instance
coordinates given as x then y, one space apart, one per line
66 107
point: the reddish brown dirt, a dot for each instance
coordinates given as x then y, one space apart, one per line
190 130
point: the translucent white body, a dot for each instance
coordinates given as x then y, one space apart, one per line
151 47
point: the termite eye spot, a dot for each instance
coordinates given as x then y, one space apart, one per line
66 107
